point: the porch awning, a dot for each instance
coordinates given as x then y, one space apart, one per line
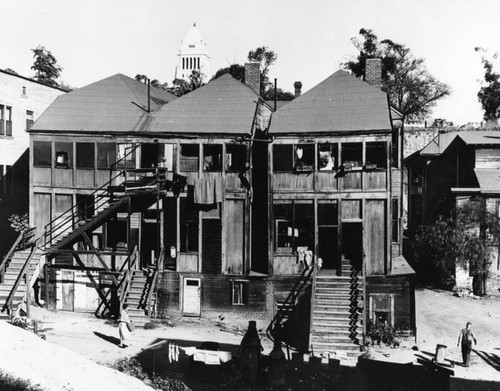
400 267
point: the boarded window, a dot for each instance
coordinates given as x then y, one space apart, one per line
212 157
236 157
189 157
189 221
294 225
352 156
327 157
42 153
85 155
283 158
376 155
304 157
351 209
64 155
106 155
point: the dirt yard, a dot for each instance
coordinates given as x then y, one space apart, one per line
440 317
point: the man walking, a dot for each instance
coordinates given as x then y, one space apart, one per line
466 337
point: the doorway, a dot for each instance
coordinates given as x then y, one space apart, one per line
192 297
68 290
151 154
352 244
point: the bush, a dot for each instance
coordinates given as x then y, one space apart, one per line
151 326
381 333
12 383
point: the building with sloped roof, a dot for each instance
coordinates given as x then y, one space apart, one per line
452 168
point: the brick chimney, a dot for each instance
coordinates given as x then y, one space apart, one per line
373 72
252 76
298 88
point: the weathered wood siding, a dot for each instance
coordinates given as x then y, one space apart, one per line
374 237
168 293
488 158
403 295
41 208
235 236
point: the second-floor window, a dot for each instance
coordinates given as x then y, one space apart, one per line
189 157
212 157
64 154
30 119
85 155
106 155
42 153
5 120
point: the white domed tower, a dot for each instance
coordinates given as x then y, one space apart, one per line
193 56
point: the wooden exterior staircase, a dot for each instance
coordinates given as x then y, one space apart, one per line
18 271
336 312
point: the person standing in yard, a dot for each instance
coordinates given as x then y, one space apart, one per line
466 337
123 326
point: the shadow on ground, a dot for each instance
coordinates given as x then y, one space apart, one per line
109 338
492 359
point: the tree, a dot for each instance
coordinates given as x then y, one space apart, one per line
182 87
47 71
280 94
9 70
235 70
489 93
466 239
411 88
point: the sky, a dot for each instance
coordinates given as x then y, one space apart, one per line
94 39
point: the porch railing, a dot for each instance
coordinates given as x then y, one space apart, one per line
22 241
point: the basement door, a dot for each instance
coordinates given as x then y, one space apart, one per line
192 297
68 290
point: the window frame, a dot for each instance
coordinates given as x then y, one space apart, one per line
46 163
84 167
229 156
369 166
374 311
292 227
334 149
217 163
100 147
66 154
244 284
183 159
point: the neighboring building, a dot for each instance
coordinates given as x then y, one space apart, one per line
452 168
22 101
193 56
206 205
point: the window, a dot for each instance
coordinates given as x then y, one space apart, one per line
395 219
8 121
2 120
85 155
42 153
376 155
327 157
352 156
167 161
236 157
125 156
395 148
212 157
189 157
106 155
64 155
239 289
189 221
294 225
304 157
381 308
283 158
30 119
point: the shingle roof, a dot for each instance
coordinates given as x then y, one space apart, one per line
488 179
341 103
108 105
438 144
223 106
442 141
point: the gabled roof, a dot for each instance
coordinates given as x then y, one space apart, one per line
341 103
223 106
442 141
108 105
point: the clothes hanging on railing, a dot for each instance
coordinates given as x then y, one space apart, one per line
208 191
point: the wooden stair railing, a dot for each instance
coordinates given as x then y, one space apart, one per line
125 284
154 281
24 238
299 285
8 303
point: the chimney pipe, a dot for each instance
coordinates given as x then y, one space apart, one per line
252 76
149 96
298 88
275 92
373 72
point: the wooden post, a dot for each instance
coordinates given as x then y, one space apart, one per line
46 276
28 291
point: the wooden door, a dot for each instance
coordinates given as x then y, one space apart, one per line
235 236
192 297
211 246
375 237
68 290
42 210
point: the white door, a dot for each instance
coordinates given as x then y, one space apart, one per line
192 296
